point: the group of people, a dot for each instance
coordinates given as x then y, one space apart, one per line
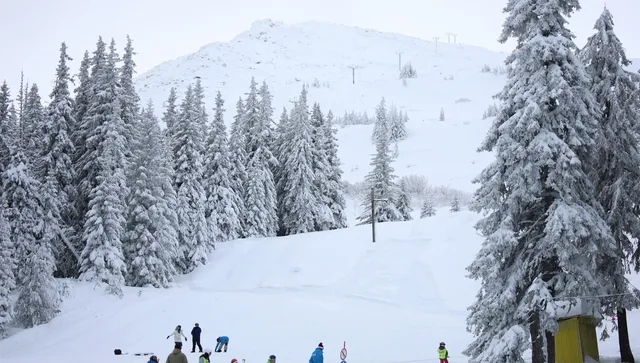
177 356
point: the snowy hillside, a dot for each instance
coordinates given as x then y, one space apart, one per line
288 56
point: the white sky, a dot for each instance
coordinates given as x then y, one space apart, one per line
165 29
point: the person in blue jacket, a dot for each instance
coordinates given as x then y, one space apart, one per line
223 341
316 356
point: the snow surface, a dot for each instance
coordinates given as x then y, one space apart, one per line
392 301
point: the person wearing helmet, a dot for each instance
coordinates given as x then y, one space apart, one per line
272 359
443 353
205 357
153 359
176 336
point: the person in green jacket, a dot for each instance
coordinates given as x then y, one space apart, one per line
272 359
443 353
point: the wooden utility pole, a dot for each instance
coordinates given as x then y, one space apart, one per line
449 38
353 74
399 60
373 214
436 39
454 38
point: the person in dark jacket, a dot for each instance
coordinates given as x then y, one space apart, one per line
195 338
316 356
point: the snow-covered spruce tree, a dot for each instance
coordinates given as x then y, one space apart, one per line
151 240
199 104
7 268
7 127
102 259
31 136
56 166
544 231
239 160
278 176
81 105
260 198
170 115
441 118
428 209
334 188
320 166
129 99
299 204
191 198
396 124
222 209
380 179
616 91
266 138
38 298
403 202
455 205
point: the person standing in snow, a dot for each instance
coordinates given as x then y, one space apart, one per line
272 359
443 353
223 341
205 357
153 359
176 336
177 356
316 356
195 338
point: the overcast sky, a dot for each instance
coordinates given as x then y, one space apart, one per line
165 29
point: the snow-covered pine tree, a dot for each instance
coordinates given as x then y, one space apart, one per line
278 151
616 91
334 188
102 259
31 136
129 99
455 205
81 105
260 198
223 202
56 166
380 178
538 197
199 104
151 240
428 209
320 165
7 127
170 115
441 118
403 201
239 160
22 93
7 268
397 127
193 242
299 204
38 298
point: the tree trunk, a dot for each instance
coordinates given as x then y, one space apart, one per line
551 347
626 355
537 340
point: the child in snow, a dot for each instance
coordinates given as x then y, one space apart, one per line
272 359
443 353
176 336
205 357
153 359
316 356
223 341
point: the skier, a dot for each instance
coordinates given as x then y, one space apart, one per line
272 359
223 341
443 353
153 359
177 356
195 338
176 336
205 357
316 356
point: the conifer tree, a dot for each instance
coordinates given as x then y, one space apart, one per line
398 130
403 202
170 115
102 258
455 205
188 159
299 204
199 104
31 136
129 99
428 209
56 166
616 91
334 188
538 196
239 161
223 203
380 179
151 241
441 118
320 165
7 126
7 268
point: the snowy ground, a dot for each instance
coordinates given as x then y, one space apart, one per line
392 301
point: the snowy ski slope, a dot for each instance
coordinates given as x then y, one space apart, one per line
391 301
